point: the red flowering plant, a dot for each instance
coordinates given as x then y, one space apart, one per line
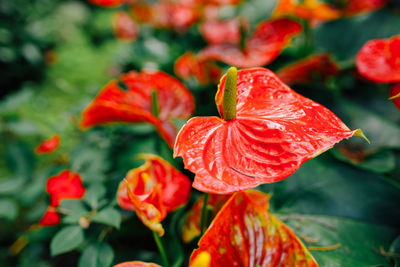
49 145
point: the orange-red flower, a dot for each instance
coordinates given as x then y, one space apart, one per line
395 95
264 45
48 146
188 65
50 217
152 190
65 185
137 264
244 234
355 7
125 28
379 60
107 3
191 228
274 131
306 70
113 104
227 31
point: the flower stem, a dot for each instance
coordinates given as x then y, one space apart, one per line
229 100
203 214
161 249
154 103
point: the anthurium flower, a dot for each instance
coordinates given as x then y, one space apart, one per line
191 228
264 45
137 264
244 234
379 60
395 95
307 9
114 104
50 217
48 146
65 185
107 3
263 138
152 190
125 28
188 65
227 31
306 70
355 7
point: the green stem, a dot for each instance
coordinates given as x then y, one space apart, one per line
229 100
309 37
154 103
203 214
161 249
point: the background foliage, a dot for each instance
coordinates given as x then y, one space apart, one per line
54 58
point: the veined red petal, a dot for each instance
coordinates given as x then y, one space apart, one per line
113 104
48 146
379 60
306 70
153 189
274 132
65 185
245 234
137 264
125 28
191 228
262 47
50 217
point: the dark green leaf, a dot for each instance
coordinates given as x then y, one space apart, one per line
109 216
66 240
20 159
97 255
94 194
11 185
8 209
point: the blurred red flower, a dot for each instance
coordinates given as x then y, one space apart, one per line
48 146
227 31
50 217
275 131
264 45
152 190
107 3
65 185
188 65
137 264
306 70
379 60
125 28
244 234
114 104
355 7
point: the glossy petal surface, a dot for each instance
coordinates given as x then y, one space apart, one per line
244 234
137 264
48 146
66 185
395 92
379 60
113 104
191 228
152 190
125 28
264 45
274 132
188 65
50 217
309 69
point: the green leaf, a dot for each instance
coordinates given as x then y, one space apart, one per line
94 194
75 210
380 162
66 240
11 185
395 251
344 44
109 216
8 209
358 242
20 159
97 255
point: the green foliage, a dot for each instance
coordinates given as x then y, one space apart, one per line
67 239
97 255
